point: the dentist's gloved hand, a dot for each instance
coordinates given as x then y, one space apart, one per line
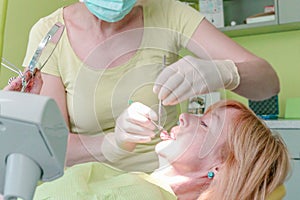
191 76
34 86
134 126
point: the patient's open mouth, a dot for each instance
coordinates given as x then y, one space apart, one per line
164 135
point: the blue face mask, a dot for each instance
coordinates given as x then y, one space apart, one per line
110 10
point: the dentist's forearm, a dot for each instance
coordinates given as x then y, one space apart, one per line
258 80
84 148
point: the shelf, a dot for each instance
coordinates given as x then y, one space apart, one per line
286 16
259 28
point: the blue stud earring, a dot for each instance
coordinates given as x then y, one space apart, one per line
210 174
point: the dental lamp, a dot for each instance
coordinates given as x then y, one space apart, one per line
33 140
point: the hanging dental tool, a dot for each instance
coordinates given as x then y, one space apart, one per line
5 63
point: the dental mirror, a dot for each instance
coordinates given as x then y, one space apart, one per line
41 54
46 47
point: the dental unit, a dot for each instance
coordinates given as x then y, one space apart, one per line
33 140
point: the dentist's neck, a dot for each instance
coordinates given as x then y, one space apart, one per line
133 19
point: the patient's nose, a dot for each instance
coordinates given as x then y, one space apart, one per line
184 119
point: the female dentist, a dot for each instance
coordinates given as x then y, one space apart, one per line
111 52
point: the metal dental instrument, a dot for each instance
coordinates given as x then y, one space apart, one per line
160 128
44 50
15 69
47 45
10 66
164 134
160 106
159 112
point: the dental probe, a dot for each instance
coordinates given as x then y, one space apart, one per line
160 101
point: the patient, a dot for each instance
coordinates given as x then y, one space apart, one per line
226 154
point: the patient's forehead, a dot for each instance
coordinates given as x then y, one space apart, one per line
221 119
223 112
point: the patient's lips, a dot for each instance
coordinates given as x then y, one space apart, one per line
164 135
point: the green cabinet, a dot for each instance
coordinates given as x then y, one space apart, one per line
286 16
288 11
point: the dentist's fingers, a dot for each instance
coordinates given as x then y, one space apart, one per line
35 83
191 76
14 85
179 94
162 78
141 115
134 125
134 129
170 85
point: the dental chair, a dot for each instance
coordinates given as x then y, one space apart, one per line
278 193
33 140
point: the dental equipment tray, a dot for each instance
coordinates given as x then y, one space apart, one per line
266 109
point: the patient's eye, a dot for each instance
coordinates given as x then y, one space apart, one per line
202 123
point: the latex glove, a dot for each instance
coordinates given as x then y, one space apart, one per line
191 76
134 126
34 85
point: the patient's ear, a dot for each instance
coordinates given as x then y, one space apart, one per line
216 168
212 172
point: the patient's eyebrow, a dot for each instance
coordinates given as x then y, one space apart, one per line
216 116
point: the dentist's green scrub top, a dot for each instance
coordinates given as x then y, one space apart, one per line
98 181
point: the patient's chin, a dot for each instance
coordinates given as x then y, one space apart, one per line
161 148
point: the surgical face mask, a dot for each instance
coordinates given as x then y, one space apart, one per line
109 10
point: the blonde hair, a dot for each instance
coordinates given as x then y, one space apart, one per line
257 161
